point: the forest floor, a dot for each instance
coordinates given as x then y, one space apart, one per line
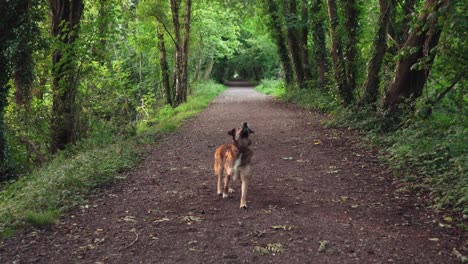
315 196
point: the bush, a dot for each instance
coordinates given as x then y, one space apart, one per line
430 153
38 198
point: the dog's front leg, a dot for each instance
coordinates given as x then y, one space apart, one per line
220 185
227 177
244 173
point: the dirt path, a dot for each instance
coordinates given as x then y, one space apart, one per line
309 185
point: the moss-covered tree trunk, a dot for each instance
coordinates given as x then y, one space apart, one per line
293 41
344 90
22 59
4 87
276 32
305 40
177 81
409 78
371 85
66 16
208 69
408 10
351 26
318 35
165 74
185 49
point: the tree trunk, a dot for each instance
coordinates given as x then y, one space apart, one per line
293 41
351 25
318 35
277 33
4 87
408 10
66 16
409 81
337 56
304 40
177 81
196 75
165 75
208 70
371 85
23 62
185 50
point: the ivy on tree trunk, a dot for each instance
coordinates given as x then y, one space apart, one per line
66 16
418 53
371 85
344 90
277 33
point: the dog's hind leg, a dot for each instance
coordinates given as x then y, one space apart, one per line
219 174
244 173
227 177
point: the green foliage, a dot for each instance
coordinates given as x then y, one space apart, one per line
40 197
308 98
431 153
41 219
274 88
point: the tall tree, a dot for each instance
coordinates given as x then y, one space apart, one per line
277 34
16 37
305 39
411 77
22 57
66 16
318 35
165 74
185 48
408 10
180 78
351 26
175 7
290 10
344 90
371 85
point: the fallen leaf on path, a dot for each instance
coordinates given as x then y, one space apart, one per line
189 219
323 245
261 250
448 219
164 219
463 259
271 248
317 142
284 227
129 218
259 233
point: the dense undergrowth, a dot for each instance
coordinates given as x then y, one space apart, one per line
64 183
427 152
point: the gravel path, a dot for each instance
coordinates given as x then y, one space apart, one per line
315 196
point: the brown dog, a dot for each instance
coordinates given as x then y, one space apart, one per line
233 159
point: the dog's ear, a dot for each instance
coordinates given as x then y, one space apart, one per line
232 132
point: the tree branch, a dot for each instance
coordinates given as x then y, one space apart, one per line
167 30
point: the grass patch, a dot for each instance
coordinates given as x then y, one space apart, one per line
41 219
308 98
39 198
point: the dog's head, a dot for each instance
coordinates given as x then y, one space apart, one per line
241 135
